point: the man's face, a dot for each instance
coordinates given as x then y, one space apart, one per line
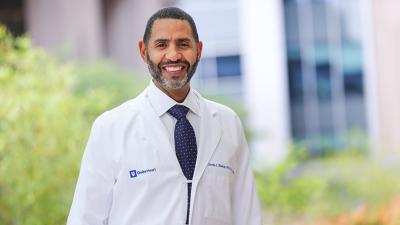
171 54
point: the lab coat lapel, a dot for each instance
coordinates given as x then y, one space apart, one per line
210 135
155 133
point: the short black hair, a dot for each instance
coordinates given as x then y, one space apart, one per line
170 13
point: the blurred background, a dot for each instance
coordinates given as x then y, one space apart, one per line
316 83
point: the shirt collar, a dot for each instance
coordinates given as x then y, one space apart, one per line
162 102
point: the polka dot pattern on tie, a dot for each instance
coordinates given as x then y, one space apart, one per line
185 140
185 146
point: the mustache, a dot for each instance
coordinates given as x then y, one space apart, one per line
187 64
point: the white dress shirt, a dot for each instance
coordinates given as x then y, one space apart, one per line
162 102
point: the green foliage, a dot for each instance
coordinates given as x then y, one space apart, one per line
284 192
101 75
352 180
46 111
325 187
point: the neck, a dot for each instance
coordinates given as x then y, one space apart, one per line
178 95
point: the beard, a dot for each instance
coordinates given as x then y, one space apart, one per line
156 72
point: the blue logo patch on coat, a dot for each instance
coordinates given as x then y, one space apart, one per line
136 173
133 173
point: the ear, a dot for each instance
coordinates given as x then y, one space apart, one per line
143 51
199 49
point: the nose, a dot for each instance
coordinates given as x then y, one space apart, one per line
173 54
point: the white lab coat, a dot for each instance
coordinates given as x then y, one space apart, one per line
130 174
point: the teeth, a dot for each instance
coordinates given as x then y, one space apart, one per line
173 68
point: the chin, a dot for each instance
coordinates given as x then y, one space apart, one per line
175 84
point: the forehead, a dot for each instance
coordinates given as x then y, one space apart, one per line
171 28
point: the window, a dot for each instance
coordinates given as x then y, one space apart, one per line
12 16
228 66
324 60
220 75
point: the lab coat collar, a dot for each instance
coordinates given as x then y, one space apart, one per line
210 128
162 102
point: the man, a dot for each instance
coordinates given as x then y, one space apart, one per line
168 156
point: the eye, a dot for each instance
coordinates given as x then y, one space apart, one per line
161 45
184 45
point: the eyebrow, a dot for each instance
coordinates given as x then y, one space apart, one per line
183 40
160 40
177 40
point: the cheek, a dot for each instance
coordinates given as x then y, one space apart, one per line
154 59
154 56
191 58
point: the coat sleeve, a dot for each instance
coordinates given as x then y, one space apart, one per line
93 194
245 202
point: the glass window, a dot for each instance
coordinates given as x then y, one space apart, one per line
220 75
228 66
295 80
323 73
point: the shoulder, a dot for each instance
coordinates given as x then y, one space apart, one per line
229 123
218 107
227 115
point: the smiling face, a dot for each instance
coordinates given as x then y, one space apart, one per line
172 54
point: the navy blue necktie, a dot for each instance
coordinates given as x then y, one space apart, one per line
185 145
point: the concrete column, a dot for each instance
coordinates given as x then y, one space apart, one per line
370 76
265 77
386 25
71 27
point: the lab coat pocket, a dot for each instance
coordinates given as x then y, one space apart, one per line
218 199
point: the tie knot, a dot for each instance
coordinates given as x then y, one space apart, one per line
178 111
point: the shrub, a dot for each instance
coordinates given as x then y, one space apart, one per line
283 192
302 188
46 111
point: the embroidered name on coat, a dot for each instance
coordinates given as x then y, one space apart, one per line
135 173
221 166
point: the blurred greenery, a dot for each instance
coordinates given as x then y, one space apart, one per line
46 111
101 75
305 188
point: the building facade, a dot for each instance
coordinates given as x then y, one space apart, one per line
339 70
